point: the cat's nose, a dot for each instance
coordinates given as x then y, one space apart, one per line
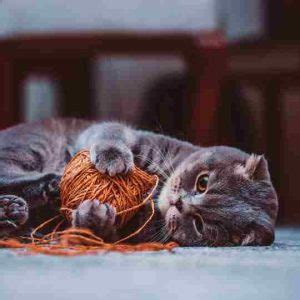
177 203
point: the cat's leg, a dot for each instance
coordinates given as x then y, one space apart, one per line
36 189
98 217
13 214
115 148
110 146
20 194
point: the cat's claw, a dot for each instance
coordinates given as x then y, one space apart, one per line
112 159
13 213
98 217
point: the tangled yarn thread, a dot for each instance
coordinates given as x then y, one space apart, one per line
127 193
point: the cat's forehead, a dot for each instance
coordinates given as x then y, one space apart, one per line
199 159
219 160
217 157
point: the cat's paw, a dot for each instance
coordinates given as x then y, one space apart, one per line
42 191
98 217
13 213
112 158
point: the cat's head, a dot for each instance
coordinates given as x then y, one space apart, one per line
220 196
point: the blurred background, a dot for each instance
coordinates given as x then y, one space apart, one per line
208 71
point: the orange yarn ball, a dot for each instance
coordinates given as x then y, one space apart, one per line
127 193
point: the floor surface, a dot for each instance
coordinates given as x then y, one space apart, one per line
191 273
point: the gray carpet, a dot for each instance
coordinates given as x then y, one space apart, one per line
198 273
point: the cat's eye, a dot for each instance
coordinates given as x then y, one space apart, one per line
198 223
202 182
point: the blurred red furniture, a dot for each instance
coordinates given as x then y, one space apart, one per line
69 58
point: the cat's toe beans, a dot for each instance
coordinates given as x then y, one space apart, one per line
117 166
106 213
93 212
103 214
84 208
18 213
112 159
13 210
98 217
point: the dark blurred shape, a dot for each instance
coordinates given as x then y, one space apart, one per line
165 108
239 130
69 57
283 20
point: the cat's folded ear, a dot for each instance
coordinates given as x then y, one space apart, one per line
256 168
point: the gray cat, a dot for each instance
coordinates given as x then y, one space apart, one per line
216 196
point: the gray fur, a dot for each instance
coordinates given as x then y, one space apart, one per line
238 208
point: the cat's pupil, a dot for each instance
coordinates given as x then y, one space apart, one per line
202 183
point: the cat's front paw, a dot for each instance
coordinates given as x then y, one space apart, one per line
98 217
13 213
112 158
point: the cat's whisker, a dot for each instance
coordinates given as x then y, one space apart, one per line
155 236
166 238
162 238
157 168
159 234
156 228
213 237
160 154
165 234
170 161
166 159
